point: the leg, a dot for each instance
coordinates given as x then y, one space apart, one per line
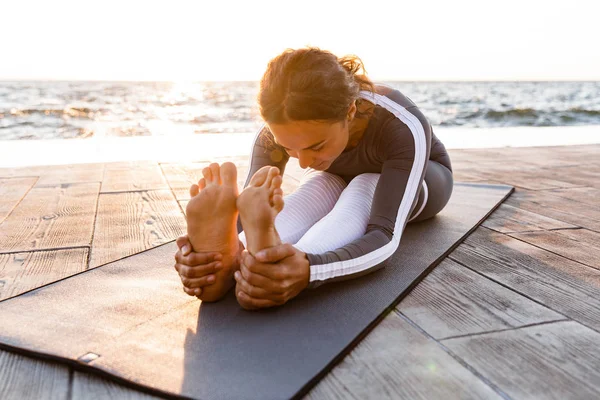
436 194
352 211
315 197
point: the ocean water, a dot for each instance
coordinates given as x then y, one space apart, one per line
71 110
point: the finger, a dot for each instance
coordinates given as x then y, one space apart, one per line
270 284
190 292
253 303
195 259
253 291
198 282
198 271
181 240
276 253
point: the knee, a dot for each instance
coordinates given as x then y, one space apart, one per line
365 180
323 178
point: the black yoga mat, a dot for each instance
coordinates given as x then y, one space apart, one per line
131 321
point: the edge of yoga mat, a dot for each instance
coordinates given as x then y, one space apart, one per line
98 370
310 384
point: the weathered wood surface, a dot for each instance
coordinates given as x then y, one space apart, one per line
549 205
580 245
91 387
507 218
131 222
396 361
132 176
12 191
587 195
21 272
51 217
57 174
488 295
565 286
453 301
553 361
27 378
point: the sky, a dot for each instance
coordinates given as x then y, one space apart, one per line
234 40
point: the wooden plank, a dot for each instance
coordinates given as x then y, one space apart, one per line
395 361
51 217
528 179
27 378
130 222
132 176
12 191
507 218
587 195
579 245
74 173
550 361
453 300
21 272
565 286
57 174
555 207
89 386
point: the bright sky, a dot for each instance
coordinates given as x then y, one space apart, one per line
234 40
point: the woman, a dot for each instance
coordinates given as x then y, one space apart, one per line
373 165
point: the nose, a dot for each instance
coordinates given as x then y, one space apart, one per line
305 160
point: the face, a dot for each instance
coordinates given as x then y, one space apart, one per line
315 144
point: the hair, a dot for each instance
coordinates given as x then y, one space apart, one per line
311 84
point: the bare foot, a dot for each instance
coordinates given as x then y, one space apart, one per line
212 223
259 204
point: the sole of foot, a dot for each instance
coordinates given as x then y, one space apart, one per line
258 205
211 218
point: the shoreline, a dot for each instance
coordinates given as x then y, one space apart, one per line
188 148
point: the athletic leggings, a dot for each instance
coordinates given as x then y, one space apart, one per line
325 213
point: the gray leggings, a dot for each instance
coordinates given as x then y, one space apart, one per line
439 183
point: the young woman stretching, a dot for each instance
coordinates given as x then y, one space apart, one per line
372 165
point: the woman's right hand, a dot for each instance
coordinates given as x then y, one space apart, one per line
196 270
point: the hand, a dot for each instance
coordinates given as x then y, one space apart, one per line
276 275
196 270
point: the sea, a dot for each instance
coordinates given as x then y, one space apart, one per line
34 110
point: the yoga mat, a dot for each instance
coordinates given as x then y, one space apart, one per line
131 321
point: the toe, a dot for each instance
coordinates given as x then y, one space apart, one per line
260 176
273 172
194 190
208 177
278 202
276 183
216 172
229 174
202 183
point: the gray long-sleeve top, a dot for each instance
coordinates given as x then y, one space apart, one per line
397 143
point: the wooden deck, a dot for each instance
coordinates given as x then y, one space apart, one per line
513 312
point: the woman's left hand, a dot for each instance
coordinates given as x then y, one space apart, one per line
273 277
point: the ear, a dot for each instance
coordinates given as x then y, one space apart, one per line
352 110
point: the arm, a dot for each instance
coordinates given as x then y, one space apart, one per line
406 150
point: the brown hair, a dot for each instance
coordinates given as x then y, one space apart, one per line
311 84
